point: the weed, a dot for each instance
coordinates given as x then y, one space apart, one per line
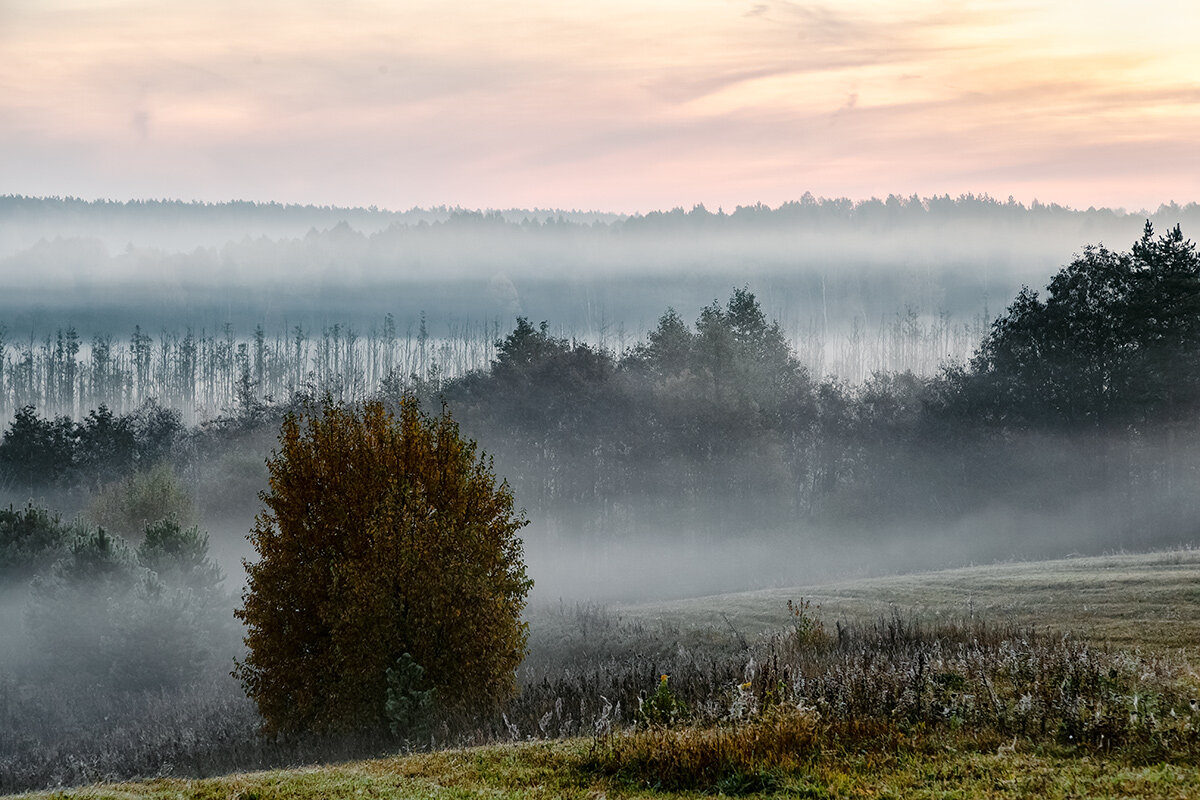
723 719
662 707
745 757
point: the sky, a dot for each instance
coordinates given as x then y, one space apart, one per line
625 106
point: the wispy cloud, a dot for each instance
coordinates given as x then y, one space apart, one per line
625 105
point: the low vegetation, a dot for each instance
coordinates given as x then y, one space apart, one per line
825 705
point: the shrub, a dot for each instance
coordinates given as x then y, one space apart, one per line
30 541
101 615
408 703
76 606
663 707
178 556
383 534
127 506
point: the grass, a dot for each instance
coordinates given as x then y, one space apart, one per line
1145 601
961 699
558 769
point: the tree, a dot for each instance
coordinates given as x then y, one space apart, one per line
30 541
385 541
36 452
106 615
1114 343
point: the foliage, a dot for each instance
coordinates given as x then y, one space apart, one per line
1114 342
409 703
38 452
127 506
384 533
662 707
178 556
31 539
807 627
691 418
35 451
102 614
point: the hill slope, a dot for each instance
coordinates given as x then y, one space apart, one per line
1127 601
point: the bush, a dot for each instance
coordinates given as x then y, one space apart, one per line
30 541
178 556
105 615
384 534
127 506
663 707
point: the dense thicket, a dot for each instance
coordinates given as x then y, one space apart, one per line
1114 345
38 452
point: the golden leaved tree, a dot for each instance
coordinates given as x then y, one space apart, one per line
384 534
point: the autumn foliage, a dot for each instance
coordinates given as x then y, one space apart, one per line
384 534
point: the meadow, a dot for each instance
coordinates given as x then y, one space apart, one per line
1067 678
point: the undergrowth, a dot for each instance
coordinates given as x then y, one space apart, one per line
716 716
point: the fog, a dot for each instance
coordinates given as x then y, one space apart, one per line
829 399
821 267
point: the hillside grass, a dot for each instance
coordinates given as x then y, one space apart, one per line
554 769
1133 602
1145 601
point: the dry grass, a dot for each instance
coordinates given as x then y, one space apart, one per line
959 699
732 758
1145 601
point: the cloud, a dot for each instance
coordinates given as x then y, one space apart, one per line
578 104
140 122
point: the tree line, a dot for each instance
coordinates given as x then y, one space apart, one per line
1093 389
206 373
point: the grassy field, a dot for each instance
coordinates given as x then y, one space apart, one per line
551 770
1125 602
1147 601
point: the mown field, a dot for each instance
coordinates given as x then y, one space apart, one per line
1069 678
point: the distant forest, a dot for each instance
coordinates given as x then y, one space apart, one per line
175 224
896 284
1077 403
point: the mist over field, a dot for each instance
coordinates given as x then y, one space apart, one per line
641 480
721 398
210 309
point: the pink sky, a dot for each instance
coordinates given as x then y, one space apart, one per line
622 106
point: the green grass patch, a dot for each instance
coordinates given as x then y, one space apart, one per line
895 767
